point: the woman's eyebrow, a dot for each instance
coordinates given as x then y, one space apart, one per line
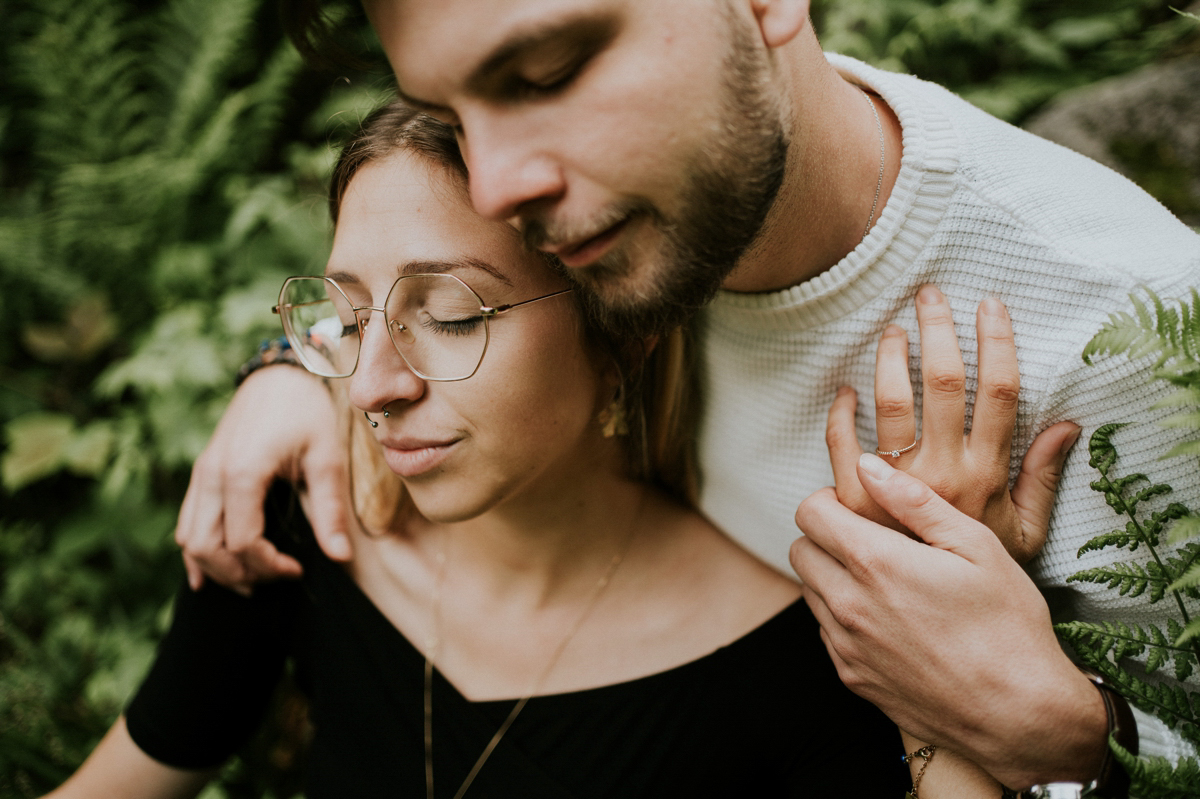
438 267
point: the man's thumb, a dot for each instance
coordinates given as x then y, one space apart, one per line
919 508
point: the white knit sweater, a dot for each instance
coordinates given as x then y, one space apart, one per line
980 209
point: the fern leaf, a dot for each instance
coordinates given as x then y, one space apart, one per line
1117 538
1189 579
1157 778
1102 453
1184 448
1189 633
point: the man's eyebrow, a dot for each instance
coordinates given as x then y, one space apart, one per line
420 105
582 27
440 267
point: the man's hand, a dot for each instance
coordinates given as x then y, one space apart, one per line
281 423
971 471
946 634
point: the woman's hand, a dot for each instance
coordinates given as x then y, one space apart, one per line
969 471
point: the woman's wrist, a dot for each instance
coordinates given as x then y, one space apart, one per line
271 352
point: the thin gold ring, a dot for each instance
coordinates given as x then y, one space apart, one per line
896 453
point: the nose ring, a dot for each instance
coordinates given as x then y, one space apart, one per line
372 422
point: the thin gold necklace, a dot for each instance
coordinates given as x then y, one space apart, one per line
882 160
435 641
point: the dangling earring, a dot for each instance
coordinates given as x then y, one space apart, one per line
613 419
371 421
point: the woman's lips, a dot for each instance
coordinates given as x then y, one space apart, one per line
411 457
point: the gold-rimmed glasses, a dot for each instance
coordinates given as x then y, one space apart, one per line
438 324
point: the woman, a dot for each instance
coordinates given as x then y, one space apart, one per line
531 610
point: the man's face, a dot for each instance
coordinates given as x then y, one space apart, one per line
633 139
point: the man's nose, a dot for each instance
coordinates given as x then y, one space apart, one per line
507 174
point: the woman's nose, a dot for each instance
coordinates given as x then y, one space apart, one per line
381 377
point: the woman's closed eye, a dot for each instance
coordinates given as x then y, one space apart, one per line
451 327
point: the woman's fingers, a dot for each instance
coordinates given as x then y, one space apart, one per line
895 421
995 413
842 441
942 376
1037 484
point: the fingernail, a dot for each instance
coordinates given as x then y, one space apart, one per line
1070 441
994 308
891 331
929 295
339 547
874 466
843 390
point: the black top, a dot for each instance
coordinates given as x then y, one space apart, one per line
765 716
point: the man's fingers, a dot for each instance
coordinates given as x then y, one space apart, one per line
841 439
895 420
995 413
264 561
244 495
328 507
195 575
1036 486
917 507
942 374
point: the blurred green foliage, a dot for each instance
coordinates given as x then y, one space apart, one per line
162 168
1007 56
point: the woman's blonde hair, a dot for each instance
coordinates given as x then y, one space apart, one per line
656 395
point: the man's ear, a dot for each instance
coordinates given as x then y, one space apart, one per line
779 21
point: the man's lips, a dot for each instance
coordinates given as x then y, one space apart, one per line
410 457
583 252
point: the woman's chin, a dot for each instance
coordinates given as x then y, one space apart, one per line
445 506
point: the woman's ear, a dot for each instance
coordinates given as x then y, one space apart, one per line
779 21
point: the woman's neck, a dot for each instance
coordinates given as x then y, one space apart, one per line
546 547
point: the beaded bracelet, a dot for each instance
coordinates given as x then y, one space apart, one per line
274 351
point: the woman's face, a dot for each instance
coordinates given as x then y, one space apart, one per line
525 421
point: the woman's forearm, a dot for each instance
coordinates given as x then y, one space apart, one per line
117 767
948 775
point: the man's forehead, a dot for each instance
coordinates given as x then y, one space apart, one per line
438 46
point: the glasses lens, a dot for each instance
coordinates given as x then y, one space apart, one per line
320 326
436 323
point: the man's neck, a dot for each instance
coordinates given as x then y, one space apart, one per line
830 184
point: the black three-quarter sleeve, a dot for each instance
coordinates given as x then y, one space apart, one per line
217 667
214 675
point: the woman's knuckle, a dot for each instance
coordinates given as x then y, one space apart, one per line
892 408
946 381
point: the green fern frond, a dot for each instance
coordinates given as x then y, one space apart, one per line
1128 579
1157 778
220 30
1102 454
1186 527
1127 538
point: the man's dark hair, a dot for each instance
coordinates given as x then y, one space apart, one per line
319 30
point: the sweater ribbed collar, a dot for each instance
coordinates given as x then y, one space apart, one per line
922 192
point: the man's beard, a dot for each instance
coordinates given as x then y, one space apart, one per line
727 194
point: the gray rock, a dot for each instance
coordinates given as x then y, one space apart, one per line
1145 125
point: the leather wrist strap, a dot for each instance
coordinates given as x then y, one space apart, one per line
1113 782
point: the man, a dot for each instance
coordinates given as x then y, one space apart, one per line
665 149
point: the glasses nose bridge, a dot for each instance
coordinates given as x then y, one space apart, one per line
361 319
362 315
